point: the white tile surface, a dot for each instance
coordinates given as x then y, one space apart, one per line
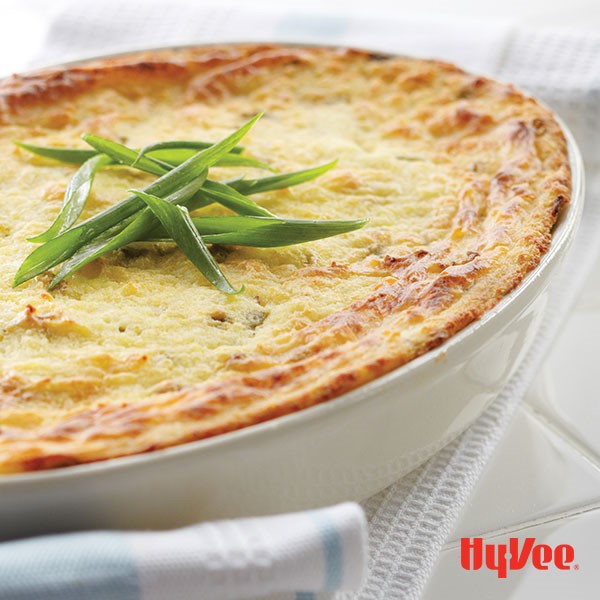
451 582
589 299
567 392
533 475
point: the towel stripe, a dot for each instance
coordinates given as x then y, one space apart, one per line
332 549
94 566
332 552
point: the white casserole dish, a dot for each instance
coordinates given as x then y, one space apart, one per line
345 449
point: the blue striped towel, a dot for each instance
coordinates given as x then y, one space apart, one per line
310 551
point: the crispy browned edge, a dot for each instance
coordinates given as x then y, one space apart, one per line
112 431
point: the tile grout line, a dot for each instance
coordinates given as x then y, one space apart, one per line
573 512
557 427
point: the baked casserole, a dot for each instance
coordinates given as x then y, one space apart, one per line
461 177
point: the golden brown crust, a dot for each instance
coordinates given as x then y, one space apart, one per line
498 228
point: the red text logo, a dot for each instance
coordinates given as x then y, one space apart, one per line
474 553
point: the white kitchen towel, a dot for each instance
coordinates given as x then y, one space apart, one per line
408 522
309 551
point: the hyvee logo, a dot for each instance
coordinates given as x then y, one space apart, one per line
474 554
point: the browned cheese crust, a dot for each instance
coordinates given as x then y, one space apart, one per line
463 178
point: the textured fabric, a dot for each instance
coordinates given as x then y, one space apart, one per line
309 551
84 30
409 522
69 567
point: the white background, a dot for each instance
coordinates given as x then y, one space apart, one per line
23 22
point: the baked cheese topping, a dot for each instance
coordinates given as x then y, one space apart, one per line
461 178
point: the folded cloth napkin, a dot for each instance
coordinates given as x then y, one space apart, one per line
409 522
309 551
